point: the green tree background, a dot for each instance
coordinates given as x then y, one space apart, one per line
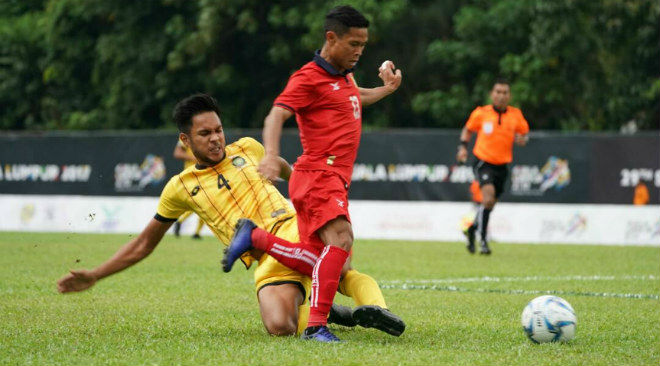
123 64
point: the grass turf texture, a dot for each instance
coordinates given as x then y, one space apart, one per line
177 307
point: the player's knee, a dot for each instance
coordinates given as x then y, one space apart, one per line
489 202
345 240
282 326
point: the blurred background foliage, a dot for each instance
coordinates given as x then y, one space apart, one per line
123 64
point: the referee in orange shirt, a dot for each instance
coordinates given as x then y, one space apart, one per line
498 126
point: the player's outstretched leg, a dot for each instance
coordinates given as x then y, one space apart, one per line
240 243
341 315
297 256
320 333
373 316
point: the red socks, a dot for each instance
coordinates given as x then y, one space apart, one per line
325 280
324 269
297 256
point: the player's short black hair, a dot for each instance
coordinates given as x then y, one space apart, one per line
189 107
501 80
341 18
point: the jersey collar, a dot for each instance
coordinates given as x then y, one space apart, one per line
199 166
325 65
499 111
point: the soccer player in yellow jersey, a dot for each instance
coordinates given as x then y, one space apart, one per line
222 188
183 153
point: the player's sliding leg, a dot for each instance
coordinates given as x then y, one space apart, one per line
371 310
282 310
297 256
341 315
361 287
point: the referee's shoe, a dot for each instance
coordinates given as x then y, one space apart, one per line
485 249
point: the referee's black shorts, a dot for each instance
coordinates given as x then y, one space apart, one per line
487 173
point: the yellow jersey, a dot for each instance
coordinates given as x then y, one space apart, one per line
223 193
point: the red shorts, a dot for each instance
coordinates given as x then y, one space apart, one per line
318 196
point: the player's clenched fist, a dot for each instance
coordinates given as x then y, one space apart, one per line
390 75
270 167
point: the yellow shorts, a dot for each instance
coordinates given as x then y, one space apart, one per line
271 272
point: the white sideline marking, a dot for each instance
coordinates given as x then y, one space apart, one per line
432 284
527 279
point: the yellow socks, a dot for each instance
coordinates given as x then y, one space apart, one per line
362 288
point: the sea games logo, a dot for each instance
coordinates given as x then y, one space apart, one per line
134 178
529 180
562 228
643 230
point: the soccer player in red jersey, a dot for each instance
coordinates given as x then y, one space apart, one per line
328 104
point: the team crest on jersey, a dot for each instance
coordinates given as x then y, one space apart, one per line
238 162
194 191
487 127
335 86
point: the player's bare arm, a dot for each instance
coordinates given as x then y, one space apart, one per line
129 254
391 81
181 154
462 153
270 166
285 169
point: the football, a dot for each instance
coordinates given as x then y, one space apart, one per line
385 65
549 319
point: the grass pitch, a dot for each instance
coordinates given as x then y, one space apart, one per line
177 307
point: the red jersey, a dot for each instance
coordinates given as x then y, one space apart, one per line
329 116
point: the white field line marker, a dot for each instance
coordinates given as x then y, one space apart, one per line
433 284
527 279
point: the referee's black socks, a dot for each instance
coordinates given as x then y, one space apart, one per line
484 215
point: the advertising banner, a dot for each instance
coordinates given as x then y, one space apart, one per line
421 166
402 165
392 220
620 164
